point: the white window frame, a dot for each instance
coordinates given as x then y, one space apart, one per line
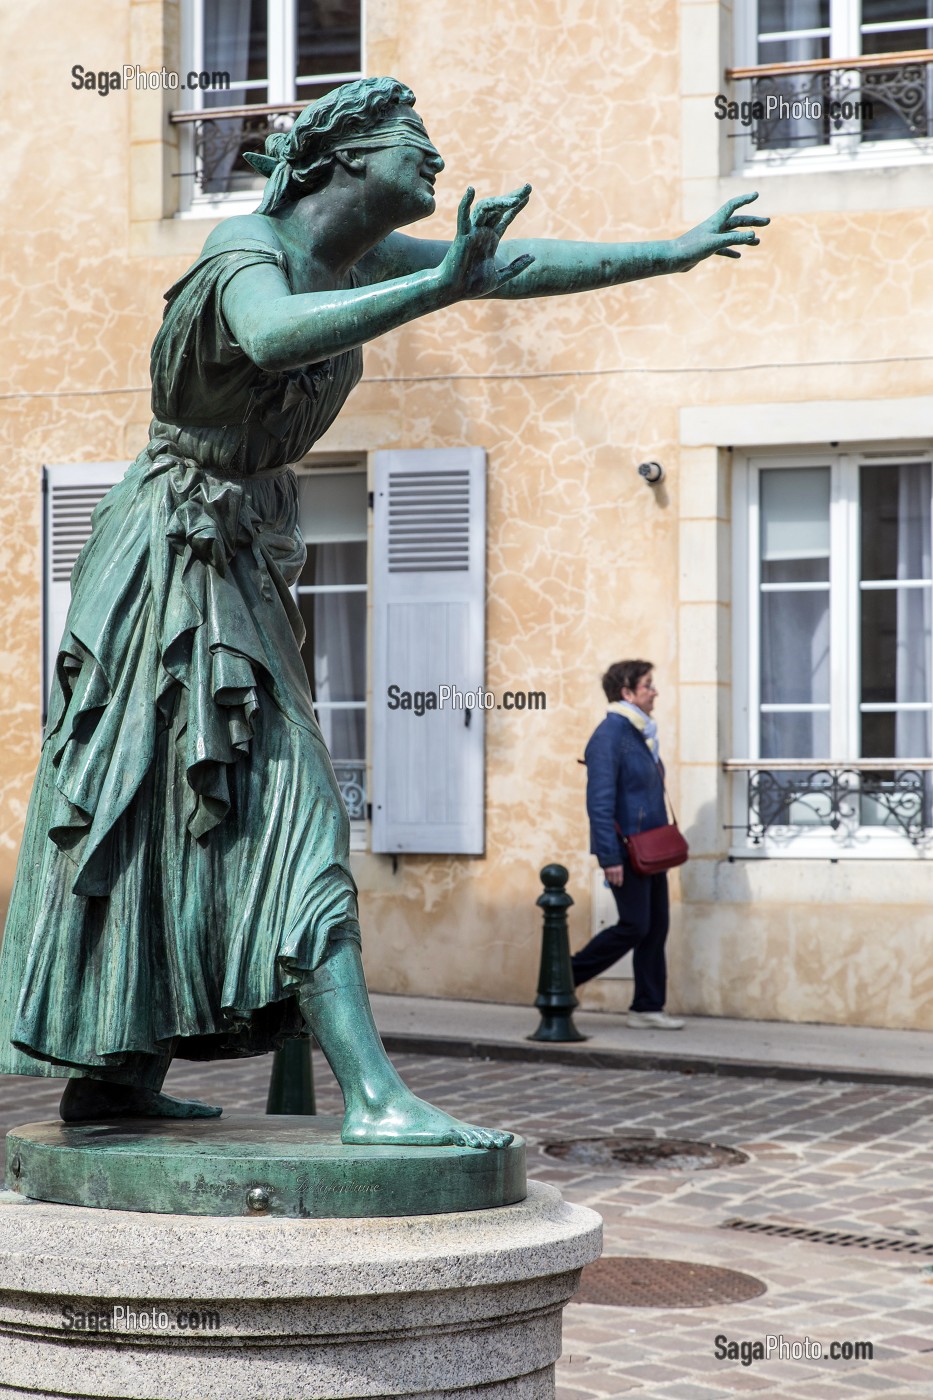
281 86
846 149
845 705
360 828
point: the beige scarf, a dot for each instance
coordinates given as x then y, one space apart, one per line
642 722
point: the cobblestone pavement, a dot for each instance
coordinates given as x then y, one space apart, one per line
829 1156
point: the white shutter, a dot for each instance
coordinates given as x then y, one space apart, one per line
428 631
70 495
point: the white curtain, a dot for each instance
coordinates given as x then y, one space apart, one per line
914 610
226 49
340 651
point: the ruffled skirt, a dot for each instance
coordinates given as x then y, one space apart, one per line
185 859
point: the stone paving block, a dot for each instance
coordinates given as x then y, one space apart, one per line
912 1341
688 1390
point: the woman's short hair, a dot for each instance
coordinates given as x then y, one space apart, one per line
624 675
300 161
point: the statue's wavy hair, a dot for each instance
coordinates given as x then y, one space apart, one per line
302 160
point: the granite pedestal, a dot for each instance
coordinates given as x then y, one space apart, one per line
254 1305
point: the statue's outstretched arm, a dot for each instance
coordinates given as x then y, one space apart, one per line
561 266
281 330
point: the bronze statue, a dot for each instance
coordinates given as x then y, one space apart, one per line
183 885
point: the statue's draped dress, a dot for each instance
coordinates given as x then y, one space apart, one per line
184 863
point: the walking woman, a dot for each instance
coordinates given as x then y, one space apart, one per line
625 795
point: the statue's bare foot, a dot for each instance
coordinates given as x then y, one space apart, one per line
404 1120
90 1100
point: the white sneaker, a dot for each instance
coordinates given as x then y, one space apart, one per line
653 1020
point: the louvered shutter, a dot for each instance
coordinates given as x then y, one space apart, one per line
70 495
428 631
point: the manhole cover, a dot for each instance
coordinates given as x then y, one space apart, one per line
626 1282
647 1153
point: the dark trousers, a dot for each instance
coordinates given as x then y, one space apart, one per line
644 918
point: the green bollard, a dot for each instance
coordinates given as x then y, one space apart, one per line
291 1088
555 999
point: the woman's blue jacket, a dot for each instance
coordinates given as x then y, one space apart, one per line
623 785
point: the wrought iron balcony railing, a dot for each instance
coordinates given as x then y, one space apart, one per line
799 794
351 780
220 135
877 97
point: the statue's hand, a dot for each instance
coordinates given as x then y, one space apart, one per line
469 269
718 233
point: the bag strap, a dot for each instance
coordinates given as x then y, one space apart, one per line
657 769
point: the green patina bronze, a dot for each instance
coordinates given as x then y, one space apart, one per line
246 1165
183 885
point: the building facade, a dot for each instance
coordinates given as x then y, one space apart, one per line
475 517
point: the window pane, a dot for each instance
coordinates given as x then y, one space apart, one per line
235 43
328 37
345 736
335 644
895 521
795 648
777 16
878 736
893 11
795 571
896 645
788 735
794 506
335 563
332 506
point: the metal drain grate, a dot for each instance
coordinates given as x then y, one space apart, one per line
630 1282
844 1238
648 1153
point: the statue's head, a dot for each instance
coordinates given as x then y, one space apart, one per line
368 114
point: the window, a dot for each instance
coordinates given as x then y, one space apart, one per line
835 91
834 636
429 534
280 55
332 599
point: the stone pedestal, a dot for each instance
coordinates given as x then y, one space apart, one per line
143 1306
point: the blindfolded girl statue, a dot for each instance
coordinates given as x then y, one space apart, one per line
183 885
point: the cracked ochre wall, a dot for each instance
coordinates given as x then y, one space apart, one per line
585 563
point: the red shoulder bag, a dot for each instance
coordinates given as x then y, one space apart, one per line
652 852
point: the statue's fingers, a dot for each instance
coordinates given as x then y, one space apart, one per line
487 213
747 221
738 200
499 206
511 213
728 253
463 213
746 238
514 268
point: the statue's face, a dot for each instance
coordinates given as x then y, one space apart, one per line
402 177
